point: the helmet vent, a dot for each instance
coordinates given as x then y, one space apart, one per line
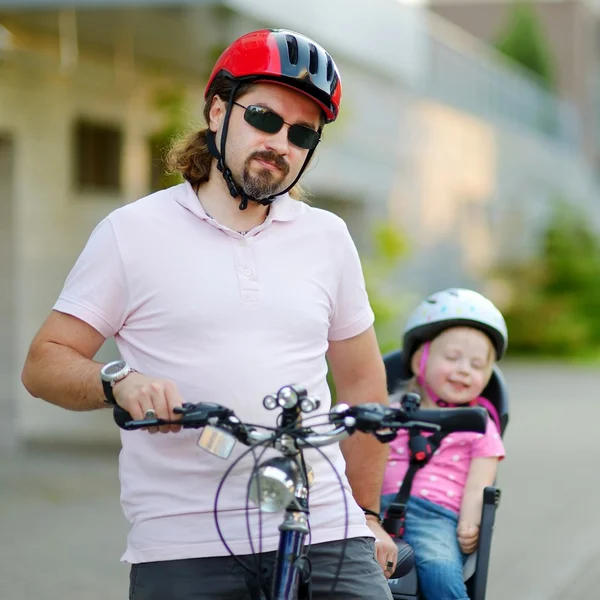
292 46
313 62
329 68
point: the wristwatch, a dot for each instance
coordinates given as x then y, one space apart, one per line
112 373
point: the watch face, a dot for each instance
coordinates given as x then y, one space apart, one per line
114 368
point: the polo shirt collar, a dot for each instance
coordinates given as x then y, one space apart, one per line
284 208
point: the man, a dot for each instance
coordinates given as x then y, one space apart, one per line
223 289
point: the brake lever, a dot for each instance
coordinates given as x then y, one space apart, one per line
389 431
370 417
421 425
194 416
385 435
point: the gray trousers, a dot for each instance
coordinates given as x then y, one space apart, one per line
223 578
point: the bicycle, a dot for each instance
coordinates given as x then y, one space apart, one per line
283 482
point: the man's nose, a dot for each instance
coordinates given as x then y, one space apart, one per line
279 142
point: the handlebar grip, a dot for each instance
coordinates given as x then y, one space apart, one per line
121 416
454 419
125 421
192 416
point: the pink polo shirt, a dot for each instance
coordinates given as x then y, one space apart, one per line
229 319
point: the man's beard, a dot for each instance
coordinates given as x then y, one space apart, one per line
265 183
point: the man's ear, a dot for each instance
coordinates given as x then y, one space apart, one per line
217 112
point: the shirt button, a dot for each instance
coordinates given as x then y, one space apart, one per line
247 272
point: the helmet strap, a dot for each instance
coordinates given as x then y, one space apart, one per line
220 156
300 172
421 376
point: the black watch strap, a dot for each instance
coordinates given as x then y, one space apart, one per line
372 513
109 397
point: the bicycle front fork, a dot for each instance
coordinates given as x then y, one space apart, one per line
289 562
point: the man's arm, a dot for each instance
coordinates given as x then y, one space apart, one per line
359 376
59 366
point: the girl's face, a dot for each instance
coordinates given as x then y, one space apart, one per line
459 365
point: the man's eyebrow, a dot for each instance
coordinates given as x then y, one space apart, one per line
303 123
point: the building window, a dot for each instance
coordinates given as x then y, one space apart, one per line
98 152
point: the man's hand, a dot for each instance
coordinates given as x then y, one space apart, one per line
138 393
468 536
386 550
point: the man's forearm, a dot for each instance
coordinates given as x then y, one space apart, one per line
365 456
359 375
61 376
365 465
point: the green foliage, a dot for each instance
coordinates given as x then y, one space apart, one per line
389 248
523 39
170 104
556 305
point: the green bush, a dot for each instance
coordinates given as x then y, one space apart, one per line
388 304
170 105
555 309
389 247
523 40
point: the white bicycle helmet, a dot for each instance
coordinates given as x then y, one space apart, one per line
451 308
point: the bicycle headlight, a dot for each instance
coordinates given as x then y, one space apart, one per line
274 483
287 397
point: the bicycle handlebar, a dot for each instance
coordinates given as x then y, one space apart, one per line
383 422
291 435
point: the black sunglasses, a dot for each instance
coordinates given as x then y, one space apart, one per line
266 120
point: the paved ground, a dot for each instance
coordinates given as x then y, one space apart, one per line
547 540
62 533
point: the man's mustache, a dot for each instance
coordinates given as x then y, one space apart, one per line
273 158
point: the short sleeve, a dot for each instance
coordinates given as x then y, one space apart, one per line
489 444
95 290
352 313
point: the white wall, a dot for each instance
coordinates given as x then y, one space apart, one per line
52 220
7 295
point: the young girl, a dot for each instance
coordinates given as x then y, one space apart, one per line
450 344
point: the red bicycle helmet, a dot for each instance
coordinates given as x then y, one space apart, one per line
287 58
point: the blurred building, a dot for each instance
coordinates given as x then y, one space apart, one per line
572 29
437 135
